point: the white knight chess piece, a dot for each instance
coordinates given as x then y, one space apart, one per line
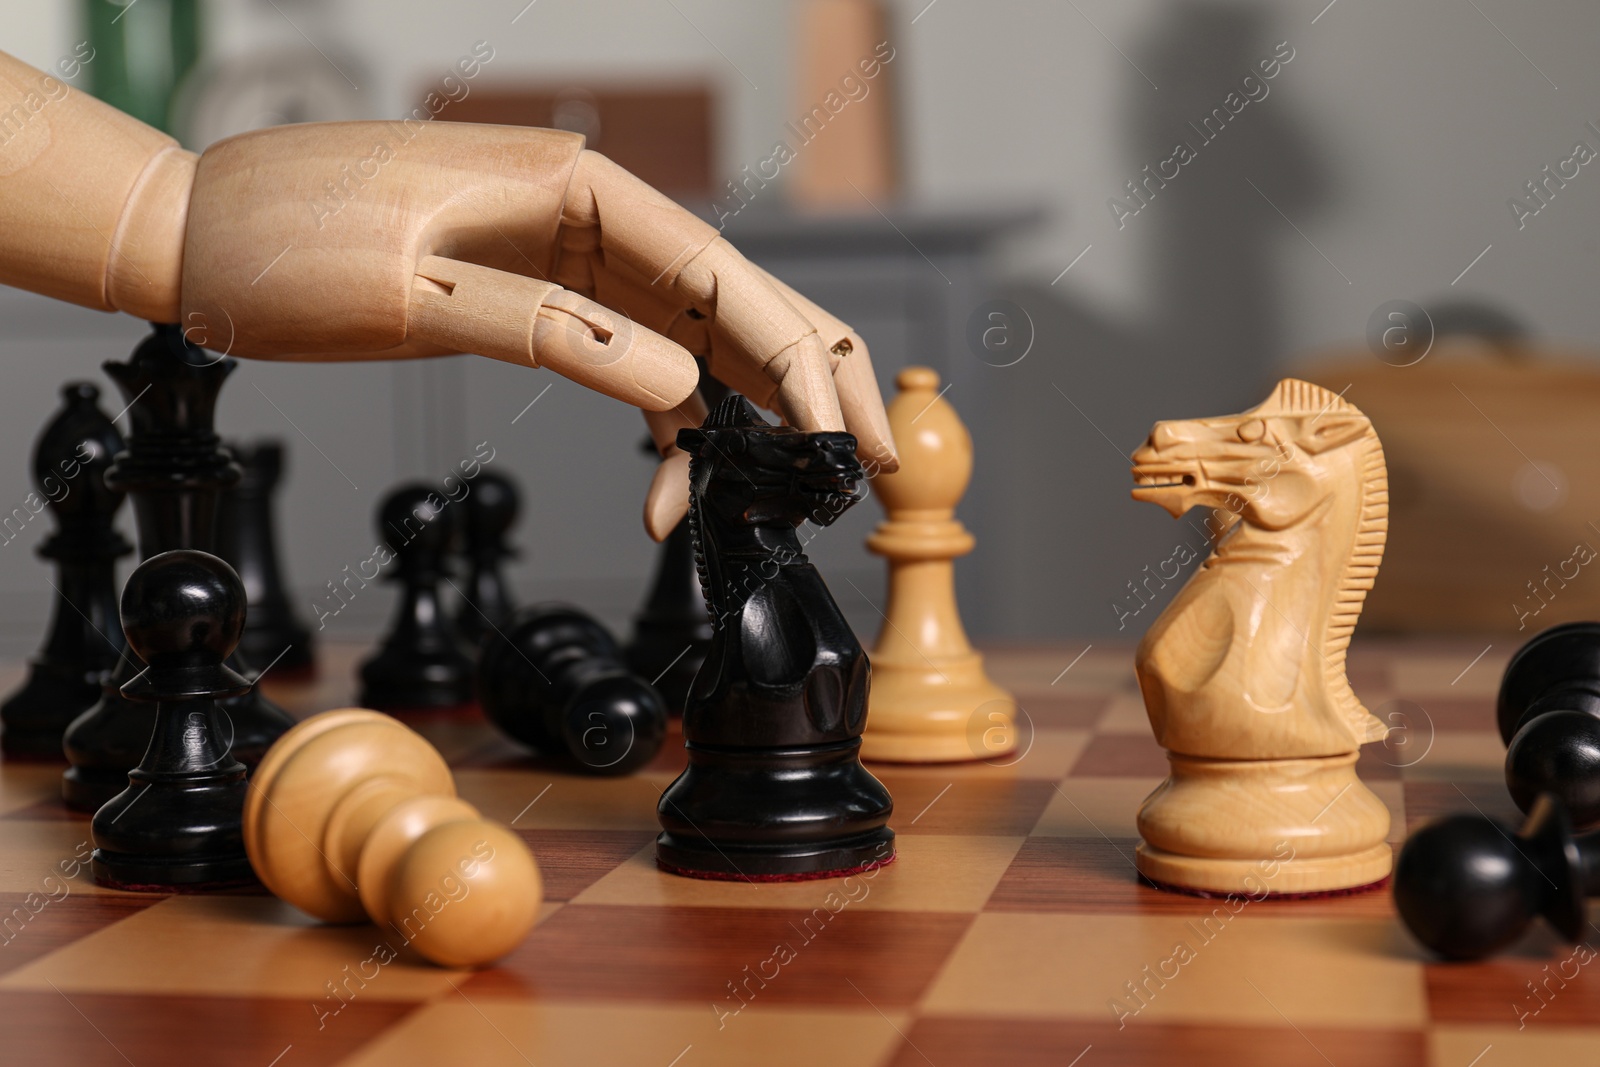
1243 675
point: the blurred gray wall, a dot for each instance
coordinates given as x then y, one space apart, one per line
1378 166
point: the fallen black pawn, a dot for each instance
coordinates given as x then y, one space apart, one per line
1549 716
1466 886
178 823
555 681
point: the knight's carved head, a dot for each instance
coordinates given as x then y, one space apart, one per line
1271 465
750 472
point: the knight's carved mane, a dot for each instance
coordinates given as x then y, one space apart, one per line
733 412
1295 397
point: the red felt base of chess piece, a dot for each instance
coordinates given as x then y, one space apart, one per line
807 876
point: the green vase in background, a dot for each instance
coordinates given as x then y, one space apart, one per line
142 50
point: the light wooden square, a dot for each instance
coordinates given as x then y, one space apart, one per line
1049 756
487 1032
245 946
1095 807
541 800
33 851
1256 969
931 872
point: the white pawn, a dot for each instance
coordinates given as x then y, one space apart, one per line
930 701
353 816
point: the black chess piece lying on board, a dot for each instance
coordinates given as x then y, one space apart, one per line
554 680
1549 717
775 789
1466 887
84 640
179 822
420 663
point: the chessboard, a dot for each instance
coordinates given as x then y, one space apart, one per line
1011 928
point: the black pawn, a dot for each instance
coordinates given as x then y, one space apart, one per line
1549 716
247 539
174 468
84 640
1466 887
420 663
775 789
555 681
177 825
672 631
489 511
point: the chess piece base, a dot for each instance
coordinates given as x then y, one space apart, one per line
701 859
1245 877
947 712
774 813
169 830
34 720
1255 826
392 681
142 874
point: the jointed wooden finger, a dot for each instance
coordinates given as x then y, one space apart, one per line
661 242
468 308
664 425
853 381
668 499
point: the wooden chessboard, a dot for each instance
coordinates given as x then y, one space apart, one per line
1009 926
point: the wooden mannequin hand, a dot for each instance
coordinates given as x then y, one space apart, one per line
345 240
388 240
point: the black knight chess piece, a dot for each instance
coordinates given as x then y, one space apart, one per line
84 639
1549 717
775 789
1467 887
173 468
488 513
177 824
247 538
554 679
420 663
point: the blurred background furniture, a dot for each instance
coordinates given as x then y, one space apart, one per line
1494 483
1358 179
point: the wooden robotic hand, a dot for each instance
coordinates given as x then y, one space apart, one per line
352 815
390 240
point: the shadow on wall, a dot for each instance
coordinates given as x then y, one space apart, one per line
1062 548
